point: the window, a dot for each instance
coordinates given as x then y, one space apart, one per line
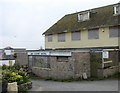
114 32
93 34
49 38
84 16
62 59
75 36
61 37
116 9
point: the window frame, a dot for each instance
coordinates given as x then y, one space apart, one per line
116 9
74 37
50 38
81 16
92 34
61 37
115 33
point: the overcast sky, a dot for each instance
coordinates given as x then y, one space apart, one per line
22 22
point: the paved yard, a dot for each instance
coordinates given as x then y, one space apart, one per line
103 85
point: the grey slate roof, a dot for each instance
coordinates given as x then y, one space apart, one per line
100 17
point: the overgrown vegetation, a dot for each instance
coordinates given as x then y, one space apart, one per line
16 73
11 74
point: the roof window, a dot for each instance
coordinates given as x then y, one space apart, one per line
83 16
116 9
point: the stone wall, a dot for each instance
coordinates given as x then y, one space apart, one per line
39 61
81 63
61 69
108 71
22 57
41 72
66 67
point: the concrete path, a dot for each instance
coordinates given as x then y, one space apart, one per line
102 85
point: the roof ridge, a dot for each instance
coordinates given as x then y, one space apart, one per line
92 9
100 16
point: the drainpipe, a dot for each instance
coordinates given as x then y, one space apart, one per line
102 60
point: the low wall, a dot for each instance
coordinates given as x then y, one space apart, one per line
108 71
65 67
62 70
41 72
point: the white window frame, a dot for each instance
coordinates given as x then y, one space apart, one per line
116 9
80 16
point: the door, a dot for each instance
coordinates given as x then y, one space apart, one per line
95 63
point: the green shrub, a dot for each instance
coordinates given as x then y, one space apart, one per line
11 74
4 67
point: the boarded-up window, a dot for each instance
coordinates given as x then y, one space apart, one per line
114 32
75 36
49 38
61 37
93 34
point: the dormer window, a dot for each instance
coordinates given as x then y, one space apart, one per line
83 16
116 9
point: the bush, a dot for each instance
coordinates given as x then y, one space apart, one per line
11 74
16 73
4 67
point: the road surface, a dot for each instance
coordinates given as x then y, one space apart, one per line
102 85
